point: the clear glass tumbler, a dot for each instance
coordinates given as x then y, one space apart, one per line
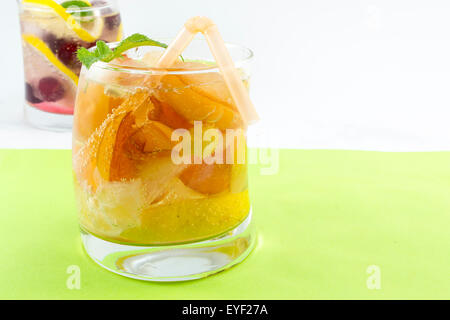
160 165
51 32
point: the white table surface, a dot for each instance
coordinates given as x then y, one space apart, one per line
360 74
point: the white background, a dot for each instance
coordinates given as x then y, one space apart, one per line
346 74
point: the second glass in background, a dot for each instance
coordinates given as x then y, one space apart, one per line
51 32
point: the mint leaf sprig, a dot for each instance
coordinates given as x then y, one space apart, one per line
105 54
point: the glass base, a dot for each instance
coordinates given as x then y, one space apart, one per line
173 263
46 120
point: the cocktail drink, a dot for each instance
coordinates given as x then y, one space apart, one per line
52 31
131 188
160 164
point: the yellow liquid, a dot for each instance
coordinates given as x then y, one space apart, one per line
177 222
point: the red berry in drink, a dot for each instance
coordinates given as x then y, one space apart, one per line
29 94
67 53
51 89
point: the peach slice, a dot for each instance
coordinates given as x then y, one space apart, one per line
194 106
207 179
94 159
116 129
136 145
210 84
216 178
167 115
132 139
152 137
201 96
112 162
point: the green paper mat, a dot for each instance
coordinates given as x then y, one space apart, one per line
322 221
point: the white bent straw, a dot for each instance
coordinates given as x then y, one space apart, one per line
218 48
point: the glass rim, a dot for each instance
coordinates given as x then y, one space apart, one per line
110 66
41 8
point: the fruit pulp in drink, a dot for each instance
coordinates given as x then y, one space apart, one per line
129 188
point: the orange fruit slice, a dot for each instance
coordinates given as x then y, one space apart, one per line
207 179
130 139
194 106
